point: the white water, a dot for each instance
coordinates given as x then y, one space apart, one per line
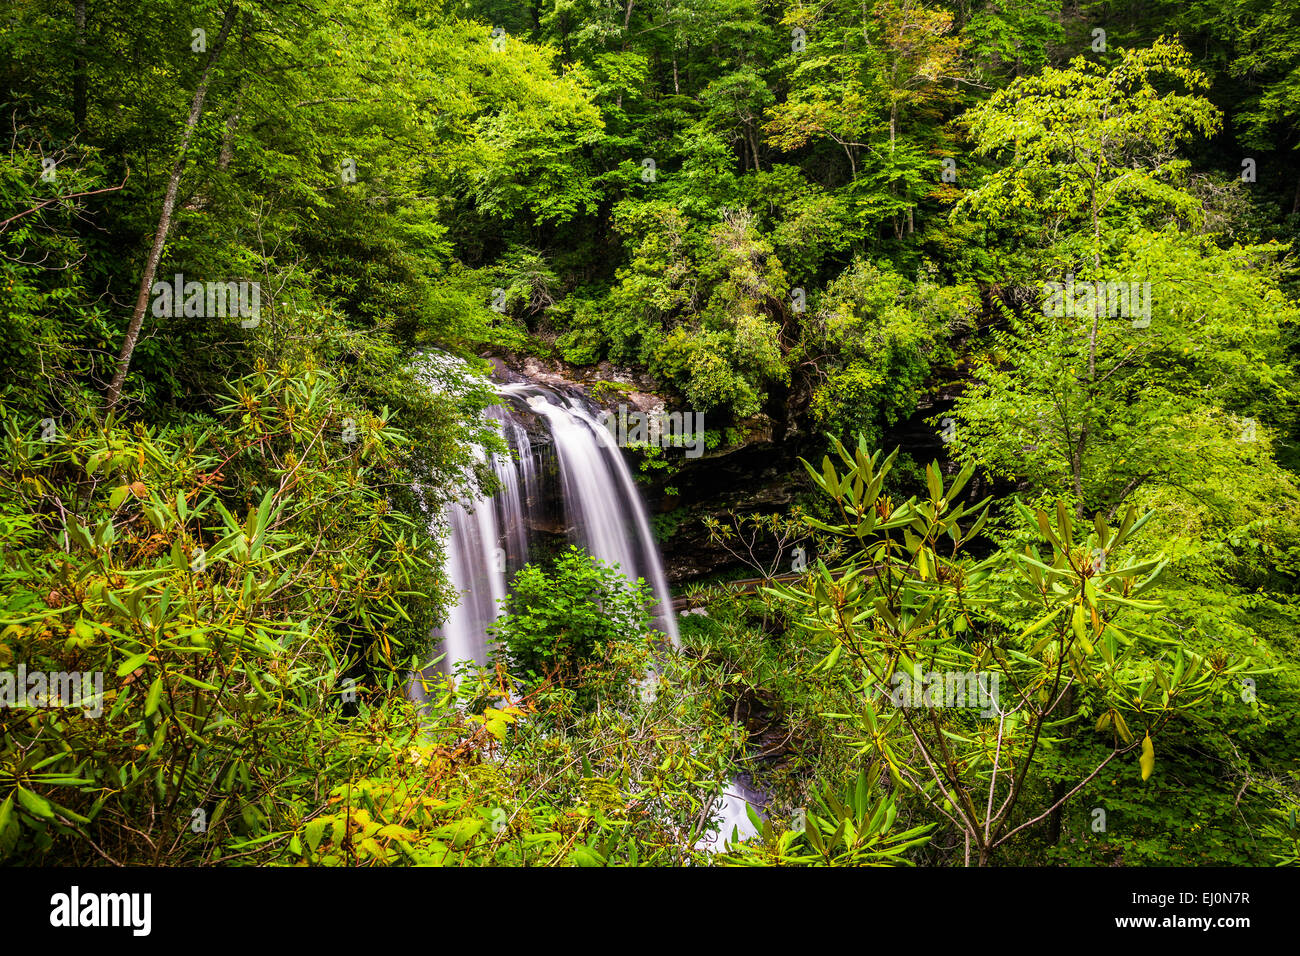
488 540
518 487
729 814
605 512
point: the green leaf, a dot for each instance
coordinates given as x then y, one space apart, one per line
134 662
154 696
1041 623
35 804
1148 759
832 484
585 857
932 482
1077 622
6 814
8 827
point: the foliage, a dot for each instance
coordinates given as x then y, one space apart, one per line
1062 642
848 831
224 644
812 222
557 621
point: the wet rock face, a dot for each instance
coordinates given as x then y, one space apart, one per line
605 382
748 479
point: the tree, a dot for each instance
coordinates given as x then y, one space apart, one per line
968 671
1088 394
165 216
871 341
867 70
1090 145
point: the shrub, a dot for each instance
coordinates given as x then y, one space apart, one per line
558 620
226 628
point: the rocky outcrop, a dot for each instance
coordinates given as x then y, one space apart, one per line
757 477
606 383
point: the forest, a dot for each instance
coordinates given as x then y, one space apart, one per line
948 512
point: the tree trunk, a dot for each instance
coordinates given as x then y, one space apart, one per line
165 218
893 185
228 139
1076 469
1096 265
668 18
627 20
1059 789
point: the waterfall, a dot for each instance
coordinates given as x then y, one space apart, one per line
472 568
490 539
607 515
518 487
729 812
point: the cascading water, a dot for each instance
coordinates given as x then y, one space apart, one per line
729 814
518 487
606 514
476 561
487 540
